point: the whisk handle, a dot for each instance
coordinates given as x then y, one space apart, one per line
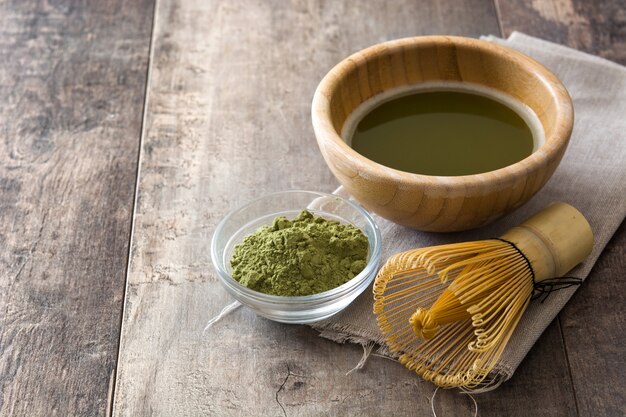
554 240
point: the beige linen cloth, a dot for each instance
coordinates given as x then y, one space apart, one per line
591 177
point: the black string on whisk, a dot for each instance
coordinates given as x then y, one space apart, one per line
545 287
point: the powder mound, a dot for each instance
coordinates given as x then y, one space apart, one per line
303 256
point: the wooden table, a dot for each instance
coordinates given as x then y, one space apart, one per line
128 129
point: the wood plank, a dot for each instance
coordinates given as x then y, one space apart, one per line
594 331
228 120
72 83
593 324
597 27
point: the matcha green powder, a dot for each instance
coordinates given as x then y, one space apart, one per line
303 256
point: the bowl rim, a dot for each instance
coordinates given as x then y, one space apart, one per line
370 268
554 143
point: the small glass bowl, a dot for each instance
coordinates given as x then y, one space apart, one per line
298 309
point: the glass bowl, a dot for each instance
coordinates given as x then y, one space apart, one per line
298 309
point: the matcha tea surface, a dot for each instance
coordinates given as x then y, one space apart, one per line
445 133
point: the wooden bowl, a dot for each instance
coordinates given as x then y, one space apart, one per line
440 203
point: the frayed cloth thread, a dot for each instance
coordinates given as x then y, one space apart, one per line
225 311
432 402
367 351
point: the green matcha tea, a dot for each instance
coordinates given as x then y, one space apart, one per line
303 256
444 132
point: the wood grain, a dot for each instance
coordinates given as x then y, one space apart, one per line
229 119
598 26
594 329
593 324
72 84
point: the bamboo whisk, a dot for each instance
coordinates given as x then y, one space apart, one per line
450 310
